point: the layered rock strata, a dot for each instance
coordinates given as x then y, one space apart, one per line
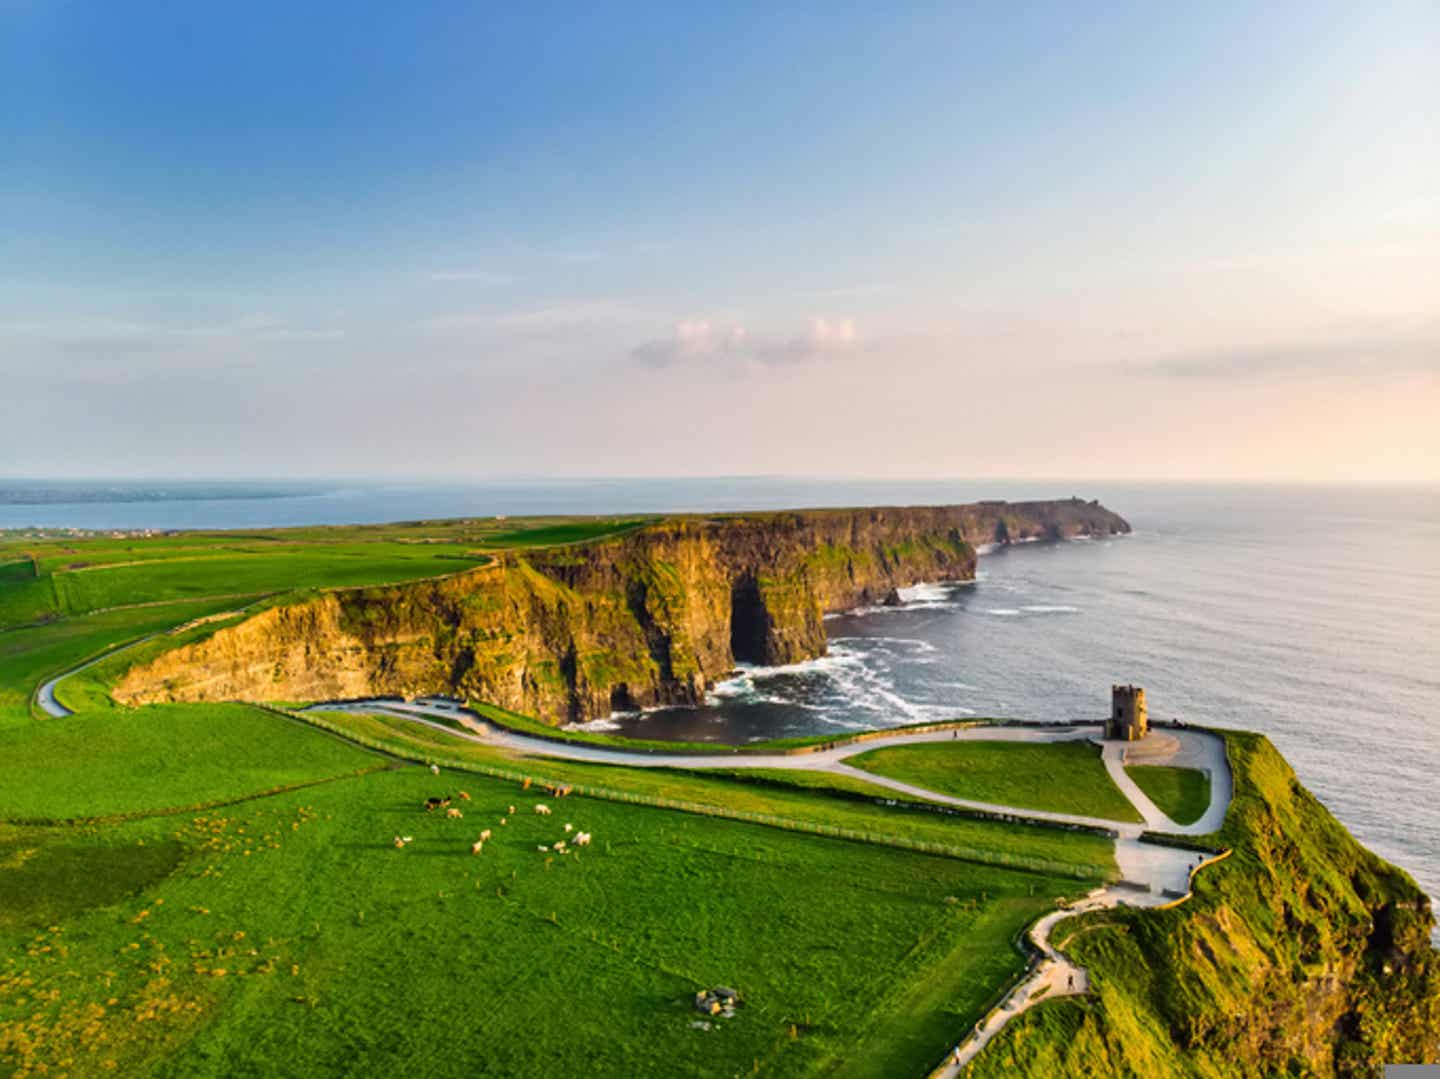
647 618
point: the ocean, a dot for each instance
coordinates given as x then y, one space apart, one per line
1309 613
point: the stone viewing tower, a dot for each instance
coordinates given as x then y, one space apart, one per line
1128 720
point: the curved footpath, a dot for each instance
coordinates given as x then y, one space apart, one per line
1151 874
45 692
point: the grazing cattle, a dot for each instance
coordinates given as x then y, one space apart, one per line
436 803
453 813
542 809
477 846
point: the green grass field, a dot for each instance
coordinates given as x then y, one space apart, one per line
160 758
213 890
800 796
43 579
1062 777
1182 794
269 936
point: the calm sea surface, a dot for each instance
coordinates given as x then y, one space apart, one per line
1311 614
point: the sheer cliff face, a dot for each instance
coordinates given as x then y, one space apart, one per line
571 633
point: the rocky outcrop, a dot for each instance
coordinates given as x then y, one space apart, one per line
651 617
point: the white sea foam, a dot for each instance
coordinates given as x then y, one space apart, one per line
911 644
925 591
926 596
1058 608
609 723
1004 612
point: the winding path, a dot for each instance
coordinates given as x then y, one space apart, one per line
45 692
1151 874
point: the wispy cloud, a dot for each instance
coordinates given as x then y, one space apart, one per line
564 315
700 342
846 292
1382 353
105 331
576 258
473 277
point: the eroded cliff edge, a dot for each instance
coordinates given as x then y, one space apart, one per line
1303 953
569 633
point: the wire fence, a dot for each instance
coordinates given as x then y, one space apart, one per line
985 856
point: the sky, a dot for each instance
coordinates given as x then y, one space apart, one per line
465 240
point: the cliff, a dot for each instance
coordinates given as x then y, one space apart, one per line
650 617
1301 954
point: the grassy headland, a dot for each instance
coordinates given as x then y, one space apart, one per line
1301 954
1062 777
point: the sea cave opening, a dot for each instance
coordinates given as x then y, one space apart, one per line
748 621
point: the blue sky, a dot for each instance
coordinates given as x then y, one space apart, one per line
470 240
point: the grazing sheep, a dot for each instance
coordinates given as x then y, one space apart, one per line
453 813
542 809
484 835
569 827
402 840
559 848
582 839
504 820
464 797
543 850
477 846
434 769
510 812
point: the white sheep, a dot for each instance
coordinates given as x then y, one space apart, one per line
484 835
477 846
401 841
504 820
510 812
542 809
582 839
569 827
559 848
453 813
543 849
434 769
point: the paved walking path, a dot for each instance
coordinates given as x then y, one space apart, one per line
1163 871
45 694
1151 874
